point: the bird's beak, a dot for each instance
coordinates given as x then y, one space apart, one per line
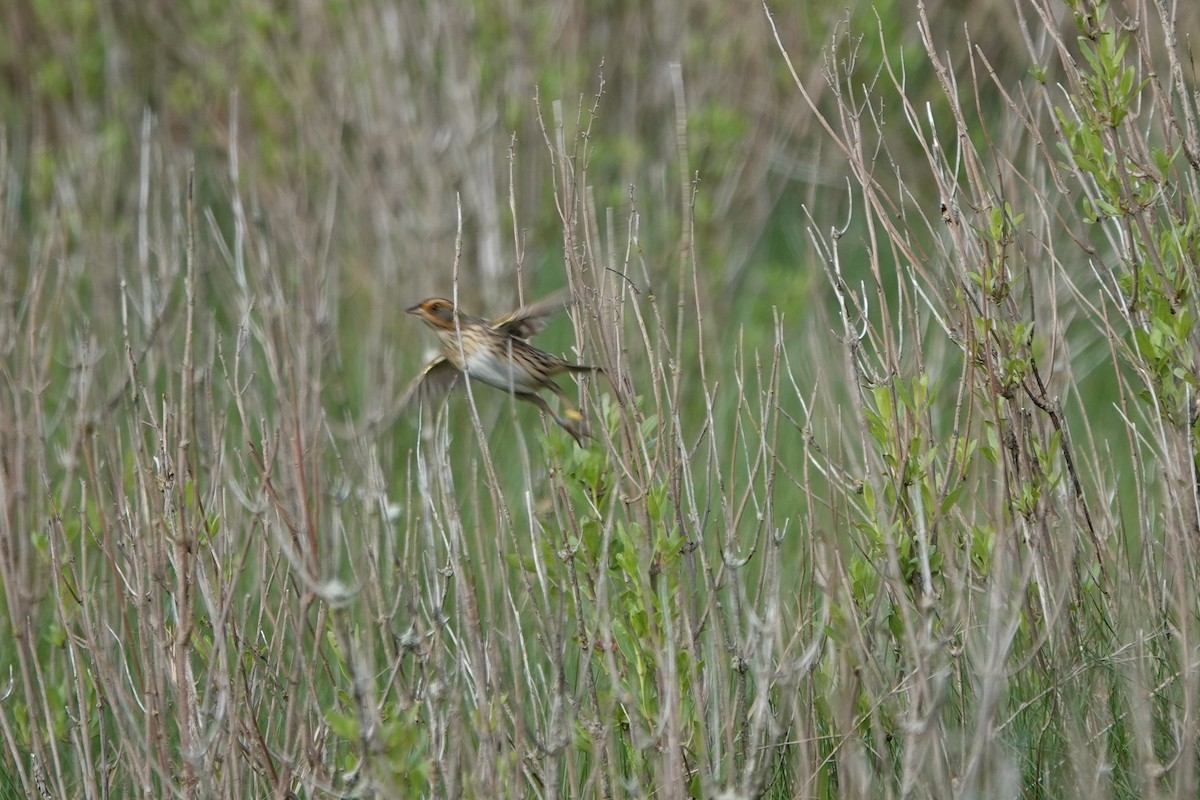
413 310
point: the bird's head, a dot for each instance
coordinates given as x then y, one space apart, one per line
436 312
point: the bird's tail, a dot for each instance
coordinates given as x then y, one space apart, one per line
583 369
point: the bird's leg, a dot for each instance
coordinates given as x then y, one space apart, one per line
574 427
569 410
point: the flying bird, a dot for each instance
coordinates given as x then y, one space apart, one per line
496 353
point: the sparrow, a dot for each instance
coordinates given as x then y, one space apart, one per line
496 353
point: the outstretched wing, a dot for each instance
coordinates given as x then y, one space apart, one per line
530 319
435 380
438 378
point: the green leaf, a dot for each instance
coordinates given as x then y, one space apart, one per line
343 724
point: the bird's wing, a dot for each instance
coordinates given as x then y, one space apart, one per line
438 378
530 319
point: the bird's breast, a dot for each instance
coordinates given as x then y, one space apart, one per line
499 371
